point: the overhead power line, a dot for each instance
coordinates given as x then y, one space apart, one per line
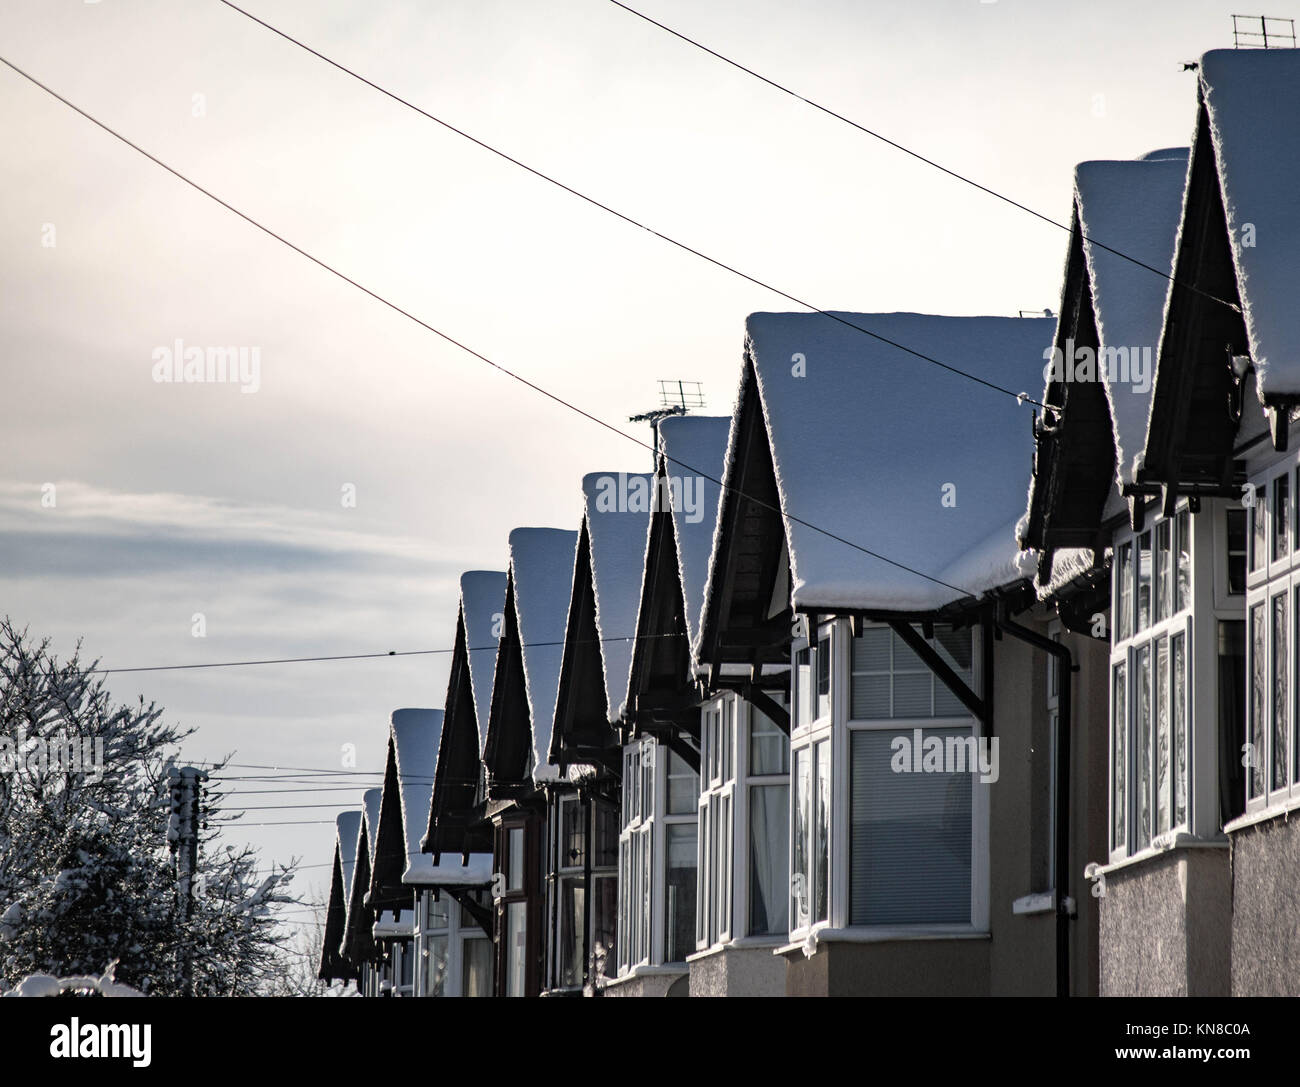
874 134
1021 396
897 564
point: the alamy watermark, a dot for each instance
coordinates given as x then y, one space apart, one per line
921 754
194 365
1116 365
60 753
631 493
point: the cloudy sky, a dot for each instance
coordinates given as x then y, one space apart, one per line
172 500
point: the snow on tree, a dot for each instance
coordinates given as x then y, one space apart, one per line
86 874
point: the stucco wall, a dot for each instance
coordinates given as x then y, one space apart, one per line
1165 926
1266 909
738 971
656 983
892 968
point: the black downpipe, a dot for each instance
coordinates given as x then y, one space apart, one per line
1061 817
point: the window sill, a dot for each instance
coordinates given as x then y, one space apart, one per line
740 943
678 970
879 934
1283 810
1181 840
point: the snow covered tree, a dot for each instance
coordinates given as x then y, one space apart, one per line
86 875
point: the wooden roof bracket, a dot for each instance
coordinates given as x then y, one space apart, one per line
930 656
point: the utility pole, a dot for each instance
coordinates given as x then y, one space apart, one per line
186 787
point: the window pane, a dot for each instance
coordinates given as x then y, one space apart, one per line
515 858
1258 539
1236 530
1144 580
1281 515
679 891
604 890
1280 762
516 948
823 678
802 809
476 968
821 857
1178 707
1163 566
1258 702
683 786
570 953
1119 756
910 837
912 692
803 694
870 696
439 912
573 836
1124 575
769 827
1183 561
871 650
605 852
1163 746
728 738
769 747
702 884
1142 745
435 966
723 878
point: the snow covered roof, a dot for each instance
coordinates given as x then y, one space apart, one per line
885 450
616 510
482 602
1133 207
349 831
541 565
1252 97
413 739
695 446
370 804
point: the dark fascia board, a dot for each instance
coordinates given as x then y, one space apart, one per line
509 735
455 781
1071 481
770 641
386 888
582 724
358 939
1198 266
661 630
332 965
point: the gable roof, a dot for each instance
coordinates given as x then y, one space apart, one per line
332 964
1252 97
617 531
480 620
691 448
527 674
358 945
404 814
1133 207
482 602
866 445
1109 328
600 628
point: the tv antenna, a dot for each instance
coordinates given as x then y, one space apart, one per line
1272 32
676 397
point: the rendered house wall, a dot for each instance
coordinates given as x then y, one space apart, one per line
1265 905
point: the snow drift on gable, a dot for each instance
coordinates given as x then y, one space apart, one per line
1133 207
482 603
695 446
1253 100
349 831
371 806
414 738
870 442
617 513
541 562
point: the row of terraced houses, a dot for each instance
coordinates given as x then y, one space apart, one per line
822 705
